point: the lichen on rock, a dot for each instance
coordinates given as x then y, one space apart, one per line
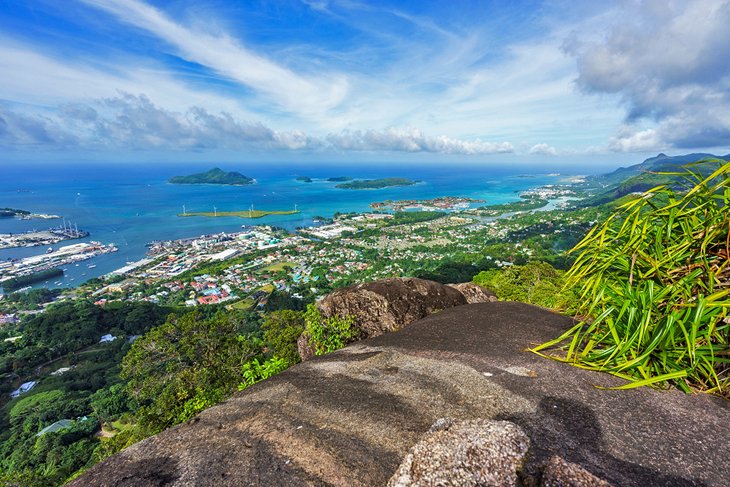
475 452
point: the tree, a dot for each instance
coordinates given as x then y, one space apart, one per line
281 331
109 404
184 366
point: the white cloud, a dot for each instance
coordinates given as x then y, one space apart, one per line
292 91
41 80
134 122
413 140
629 140
543 149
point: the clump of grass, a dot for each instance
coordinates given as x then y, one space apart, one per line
654 282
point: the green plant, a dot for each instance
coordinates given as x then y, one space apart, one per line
255 371
536 283
326 335
654 281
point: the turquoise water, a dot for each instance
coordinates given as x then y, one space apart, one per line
132 205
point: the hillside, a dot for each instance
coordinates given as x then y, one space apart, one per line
214 176
350 417
641 177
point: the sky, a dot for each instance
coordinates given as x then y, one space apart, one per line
346 80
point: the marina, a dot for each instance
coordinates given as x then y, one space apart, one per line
67 255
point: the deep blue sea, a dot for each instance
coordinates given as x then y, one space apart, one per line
131 205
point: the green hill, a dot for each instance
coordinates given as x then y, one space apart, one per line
376 183
646 175
214 176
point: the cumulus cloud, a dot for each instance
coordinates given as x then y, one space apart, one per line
543 149
135 122
19 130
670 63
412 140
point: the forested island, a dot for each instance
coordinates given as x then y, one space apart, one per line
214 176
376 183
10 212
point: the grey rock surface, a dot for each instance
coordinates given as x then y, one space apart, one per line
465 453
559 473
349 418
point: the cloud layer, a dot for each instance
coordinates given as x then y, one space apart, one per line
135 122
670 64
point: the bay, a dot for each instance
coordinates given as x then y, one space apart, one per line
132 204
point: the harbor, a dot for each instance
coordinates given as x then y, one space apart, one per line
34 238
66 255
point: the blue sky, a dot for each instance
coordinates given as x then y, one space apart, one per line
482 81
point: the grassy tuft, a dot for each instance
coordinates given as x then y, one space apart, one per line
654 281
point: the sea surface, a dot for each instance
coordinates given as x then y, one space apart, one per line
131 205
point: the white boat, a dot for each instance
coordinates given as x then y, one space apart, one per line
91 266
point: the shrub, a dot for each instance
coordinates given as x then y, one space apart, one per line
328 334
254 371
536 283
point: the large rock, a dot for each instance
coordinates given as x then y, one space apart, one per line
349 418
474 293
467 453
389 304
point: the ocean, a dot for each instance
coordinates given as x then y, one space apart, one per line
131 205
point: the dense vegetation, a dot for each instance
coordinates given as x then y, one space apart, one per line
524 204
214 176
65 339
376 183
22 281
536 283
654 281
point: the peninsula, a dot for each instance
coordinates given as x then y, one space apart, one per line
241 213
25 215
376 183
214 176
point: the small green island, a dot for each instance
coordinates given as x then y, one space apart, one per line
10 212
241 213
304 179
376 183
214 176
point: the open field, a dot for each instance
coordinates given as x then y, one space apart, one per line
278 266
244 304
241 213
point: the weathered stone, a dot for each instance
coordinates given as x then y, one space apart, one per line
389 304
474 293
465 453
306 351
350 417
559 473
